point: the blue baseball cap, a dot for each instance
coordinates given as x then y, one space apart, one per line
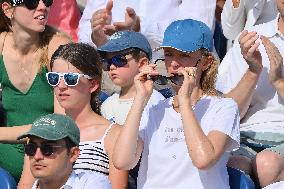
123 40
187 35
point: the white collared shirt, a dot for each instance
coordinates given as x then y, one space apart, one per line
266 110
85 180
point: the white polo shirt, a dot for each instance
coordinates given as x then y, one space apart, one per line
266 111
84 181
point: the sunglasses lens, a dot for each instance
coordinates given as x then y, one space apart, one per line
177 79
53 78
46 149
160 80
119 60
71 79
48 3
30 149
31 4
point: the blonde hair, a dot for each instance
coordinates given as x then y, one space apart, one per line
208 76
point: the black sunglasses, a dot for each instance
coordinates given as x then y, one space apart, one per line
46 149
163 80
31 4
118 60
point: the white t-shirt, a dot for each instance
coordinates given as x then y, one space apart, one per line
266 111
115 109
165 162
84 181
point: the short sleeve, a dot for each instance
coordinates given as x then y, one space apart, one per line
227 121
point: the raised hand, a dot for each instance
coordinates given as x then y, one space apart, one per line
101 24
189 82
276 62
144 86
249 44
131 22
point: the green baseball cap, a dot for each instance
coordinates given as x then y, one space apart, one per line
54 127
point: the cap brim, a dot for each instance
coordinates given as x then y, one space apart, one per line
111 47
165 46
41 133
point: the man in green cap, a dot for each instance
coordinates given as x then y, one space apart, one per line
52 148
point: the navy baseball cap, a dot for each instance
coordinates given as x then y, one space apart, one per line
187 35
123 40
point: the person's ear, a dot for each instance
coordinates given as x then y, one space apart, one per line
208 60
142 62
95 85
7 9
74 153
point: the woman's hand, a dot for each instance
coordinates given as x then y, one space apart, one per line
189 82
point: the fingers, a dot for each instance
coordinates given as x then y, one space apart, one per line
130 12
109 6
247 40
129 22
252 49
271 50
109 29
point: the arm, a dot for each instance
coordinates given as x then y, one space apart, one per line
27 178
204 150
10 134
129 145
233 18
244 90
275 74
118 178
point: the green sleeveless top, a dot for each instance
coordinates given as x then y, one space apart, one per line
24 108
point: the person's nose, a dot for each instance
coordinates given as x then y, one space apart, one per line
41 5
61 84
38 155
112 67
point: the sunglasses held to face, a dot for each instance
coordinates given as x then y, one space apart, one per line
70 79
31 4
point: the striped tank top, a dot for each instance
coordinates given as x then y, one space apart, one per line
93 156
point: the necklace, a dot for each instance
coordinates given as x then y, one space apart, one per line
193 106
28 69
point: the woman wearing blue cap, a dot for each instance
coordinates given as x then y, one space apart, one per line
186 140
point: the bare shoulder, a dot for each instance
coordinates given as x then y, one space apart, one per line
58 38
2 39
